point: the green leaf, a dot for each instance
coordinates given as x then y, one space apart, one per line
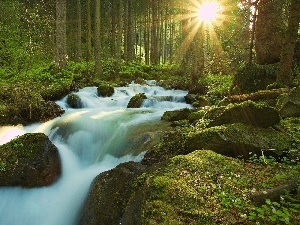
273 218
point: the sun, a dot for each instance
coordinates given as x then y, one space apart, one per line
202 17
209 11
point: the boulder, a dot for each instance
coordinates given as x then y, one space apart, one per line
30 160
136 101
176 115
196 100
201 188
196 115
240 140
105 90
74 101
288 105
246 112
109 195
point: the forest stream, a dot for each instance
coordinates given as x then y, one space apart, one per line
90 140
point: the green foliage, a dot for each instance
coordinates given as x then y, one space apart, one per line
254 77
218 86
3 166
25 34
134 70
282 212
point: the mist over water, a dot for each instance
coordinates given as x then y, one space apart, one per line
90 140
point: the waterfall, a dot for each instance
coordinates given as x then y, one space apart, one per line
90 140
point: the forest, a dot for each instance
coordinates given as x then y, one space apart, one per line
227 153
108 34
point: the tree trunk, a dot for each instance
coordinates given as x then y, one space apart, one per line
79 51
253 22
197 56
259 95
98 64
61 34
154 38
274 193
284 76
119 31
147 35
130 33
125 16
114 18
269 36
89 31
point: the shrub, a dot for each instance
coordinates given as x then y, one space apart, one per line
252 77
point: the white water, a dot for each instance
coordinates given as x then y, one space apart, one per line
90 140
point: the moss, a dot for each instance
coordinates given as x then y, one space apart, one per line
172 143
194 116
105 89
136 101
74 101
239 140
176 115
30 160
206 188
247 112
15 150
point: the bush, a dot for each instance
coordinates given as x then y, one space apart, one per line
252 77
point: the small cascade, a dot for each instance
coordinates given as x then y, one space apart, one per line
90 140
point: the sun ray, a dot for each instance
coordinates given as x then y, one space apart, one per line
202 31
184 46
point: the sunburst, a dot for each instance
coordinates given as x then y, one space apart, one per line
201 16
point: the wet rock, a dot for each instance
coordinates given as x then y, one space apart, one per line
30 160
140 81
74 101
105 90
237 140
109 195
136 101
176 115
289 104
246 112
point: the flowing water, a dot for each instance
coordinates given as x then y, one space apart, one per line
90 140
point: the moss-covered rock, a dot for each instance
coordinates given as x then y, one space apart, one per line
240 140
180 114
246 112
289 104
136 101
109 195
196 115
74 101
28 111
196 100
22 105
172 143
30 160
105 90
201 188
